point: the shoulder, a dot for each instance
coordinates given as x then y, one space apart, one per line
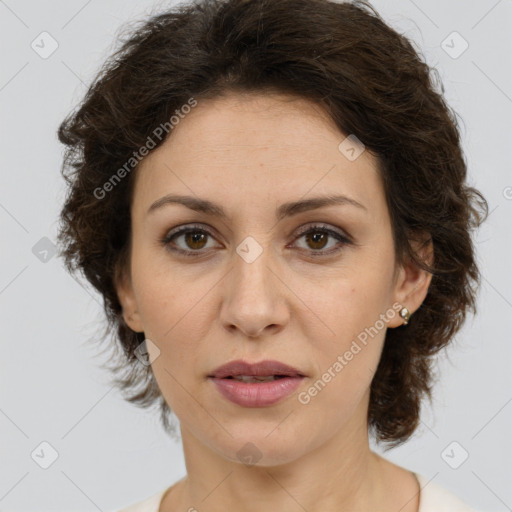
151 504
435 498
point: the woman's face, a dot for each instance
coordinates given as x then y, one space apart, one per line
257 286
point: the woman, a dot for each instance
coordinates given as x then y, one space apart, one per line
270 196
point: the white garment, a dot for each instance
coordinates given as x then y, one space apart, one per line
433 498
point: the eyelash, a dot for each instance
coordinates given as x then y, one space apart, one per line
344 240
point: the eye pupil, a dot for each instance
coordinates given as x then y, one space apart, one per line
193 237
317 237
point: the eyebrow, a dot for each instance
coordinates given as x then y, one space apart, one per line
285 210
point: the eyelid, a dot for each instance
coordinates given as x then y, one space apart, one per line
302 230
325 227
183 228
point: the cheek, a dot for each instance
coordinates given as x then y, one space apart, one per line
351 300
354 308
163 296
177 314
345 370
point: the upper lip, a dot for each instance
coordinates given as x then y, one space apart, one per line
261 369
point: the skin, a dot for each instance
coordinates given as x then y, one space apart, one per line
250 153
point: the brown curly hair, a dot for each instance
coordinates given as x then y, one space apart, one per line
373 84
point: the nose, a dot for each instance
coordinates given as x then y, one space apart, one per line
255 299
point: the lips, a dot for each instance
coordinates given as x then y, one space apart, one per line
267 368
260 384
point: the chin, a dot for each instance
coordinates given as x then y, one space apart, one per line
255 447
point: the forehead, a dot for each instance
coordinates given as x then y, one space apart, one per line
252 121
253 147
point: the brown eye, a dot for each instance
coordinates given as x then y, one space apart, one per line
317 239
190 240
195 239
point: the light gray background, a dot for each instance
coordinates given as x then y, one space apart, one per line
111 454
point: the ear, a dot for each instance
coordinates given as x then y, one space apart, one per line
412 282
126 296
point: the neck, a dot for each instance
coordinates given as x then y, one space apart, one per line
341 474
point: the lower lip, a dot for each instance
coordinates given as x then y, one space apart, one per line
257 394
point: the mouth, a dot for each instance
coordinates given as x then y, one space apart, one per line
254 379
263 371
260 384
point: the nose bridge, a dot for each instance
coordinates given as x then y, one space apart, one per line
253 300
252 262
